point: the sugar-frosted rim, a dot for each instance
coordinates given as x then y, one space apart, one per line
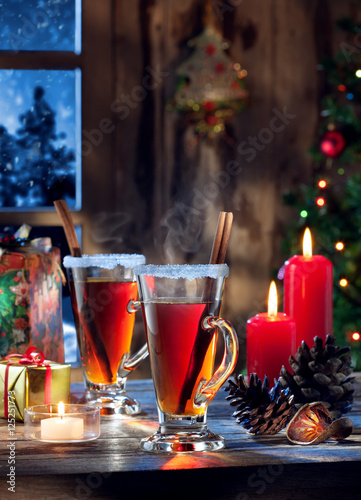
186 271
105 261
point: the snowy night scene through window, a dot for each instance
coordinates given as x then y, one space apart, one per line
40 157
40 25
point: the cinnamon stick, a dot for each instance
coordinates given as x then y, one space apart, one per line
93 336
204 338
219 249
69 228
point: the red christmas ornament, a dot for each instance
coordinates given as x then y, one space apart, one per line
209 106
210 50
332 143
211 120
219 67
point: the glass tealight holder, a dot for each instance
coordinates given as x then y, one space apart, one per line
77 423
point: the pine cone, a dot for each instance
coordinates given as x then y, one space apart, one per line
259 410
321 373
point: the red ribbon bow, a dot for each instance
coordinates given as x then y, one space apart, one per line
32 356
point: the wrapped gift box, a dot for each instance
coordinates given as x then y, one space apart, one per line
30 299
30 385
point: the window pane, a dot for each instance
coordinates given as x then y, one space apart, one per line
39 135
40 25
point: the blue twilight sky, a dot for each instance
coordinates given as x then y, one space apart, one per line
40 25
61 92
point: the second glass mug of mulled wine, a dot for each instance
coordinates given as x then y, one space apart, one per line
103 289
181 307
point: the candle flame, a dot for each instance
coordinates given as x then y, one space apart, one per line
61 409
307 243
272 300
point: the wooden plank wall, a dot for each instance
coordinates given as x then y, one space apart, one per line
279 43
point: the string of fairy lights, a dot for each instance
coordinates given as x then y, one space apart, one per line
332 144
330 203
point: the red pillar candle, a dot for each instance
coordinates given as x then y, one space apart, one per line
308 293
271 339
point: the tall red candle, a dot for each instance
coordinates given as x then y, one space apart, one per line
271 339
308 293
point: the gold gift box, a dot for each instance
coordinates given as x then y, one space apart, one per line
27 383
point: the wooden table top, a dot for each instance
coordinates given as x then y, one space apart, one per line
114 466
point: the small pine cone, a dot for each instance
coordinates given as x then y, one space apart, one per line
321 373
259 410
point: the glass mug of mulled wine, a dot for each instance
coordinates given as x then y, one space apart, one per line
103 290
180 306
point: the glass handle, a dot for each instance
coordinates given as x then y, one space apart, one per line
128 363
207 390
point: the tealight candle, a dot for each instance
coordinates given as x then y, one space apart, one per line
62 428
308 293
62 423
271 339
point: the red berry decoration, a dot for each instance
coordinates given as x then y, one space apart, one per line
209 106
210 50
332 143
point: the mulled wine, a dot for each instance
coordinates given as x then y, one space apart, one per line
180 306
105 325
172 329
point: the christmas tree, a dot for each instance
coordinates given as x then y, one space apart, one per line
35 168
46 164
7 162
331 204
